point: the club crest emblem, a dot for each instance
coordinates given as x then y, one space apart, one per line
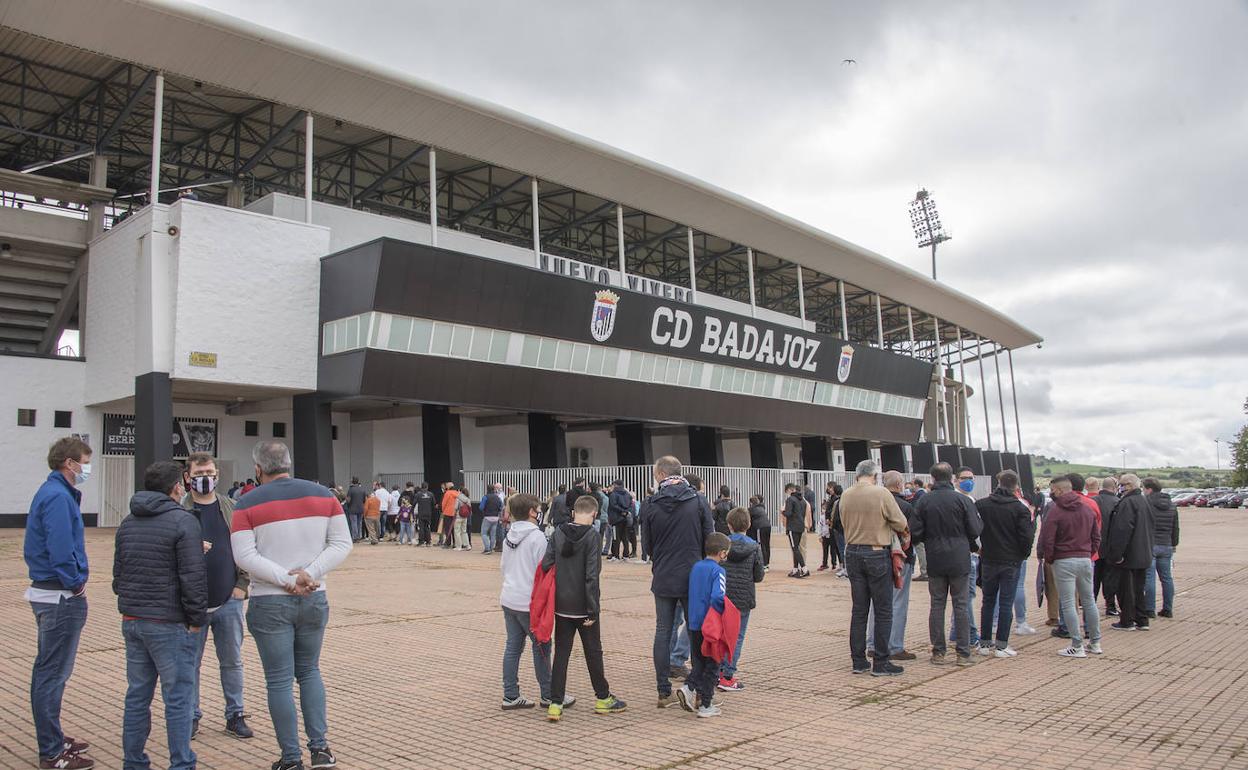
602 321
847 360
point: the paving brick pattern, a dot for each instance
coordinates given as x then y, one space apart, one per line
412 667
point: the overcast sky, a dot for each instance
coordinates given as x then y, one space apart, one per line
1089 158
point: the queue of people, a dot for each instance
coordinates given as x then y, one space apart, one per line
191 560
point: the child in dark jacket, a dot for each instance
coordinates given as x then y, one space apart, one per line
575 552
707 589
744 568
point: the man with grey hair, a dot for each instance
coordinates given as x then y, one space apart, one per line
491 510
288 534
1103 579
870 516
675 523
1130 552
893 482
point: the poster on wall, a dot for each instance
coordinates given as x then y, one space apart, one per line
190 434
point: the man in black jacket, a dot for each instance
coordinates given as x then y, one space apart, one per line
946 522
159 576
1104 578
424 505
675 522
1165 540
619 510
1130 552
1005 542
355 509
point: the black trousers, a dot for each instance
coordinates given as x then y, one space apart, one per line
1104 582
799 552
705 671
422 528
829 550
620 545
1131 595
591 646
871 588
763 536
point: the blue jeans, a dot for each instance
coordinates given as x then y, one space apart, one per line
1162 556
608 536
288 631
489 533
667 609
871 588
728 669
227 635
970 604
680 639
518 630
405 532
1074 577
168 652
901 607
1000 586
59 626
355 522
1020 598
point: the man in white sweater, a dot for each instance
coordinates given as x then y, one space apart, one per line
523 549
289 534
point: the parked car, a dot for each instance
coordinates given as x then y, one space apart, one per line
1184 500
1201 500
1231 501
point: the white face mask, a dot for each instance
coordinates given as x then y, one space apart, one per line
84 473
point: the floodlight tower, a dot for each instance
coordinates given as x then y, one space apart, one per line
926 223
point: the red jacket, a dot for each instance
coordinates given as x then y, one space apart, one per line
542 604
719 632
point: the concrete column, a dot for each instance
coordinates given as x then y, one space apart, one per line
765 450
433 199
307 167
950 453
893 457
855 452
693 272
633 445
537 226
816 453
749 264
548 443
992 462
235 195
923 456
444 452
706 446
153 422
158 114
313 440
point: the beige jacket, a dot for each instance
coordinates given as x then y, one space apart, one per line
870 515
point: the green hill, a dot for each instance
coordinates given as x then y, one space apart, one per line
1046 468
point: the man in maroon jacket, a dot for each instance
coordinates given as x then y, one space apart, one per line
1071 535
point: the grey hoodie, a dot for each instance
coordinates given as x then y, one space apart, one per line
523 549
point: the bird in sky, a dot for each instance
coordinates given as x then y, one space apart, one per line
849 61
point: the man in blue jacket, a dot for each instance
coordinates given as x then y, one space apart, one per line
675 522
56 558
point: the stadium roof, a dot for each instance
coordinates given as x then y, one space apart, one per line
203 45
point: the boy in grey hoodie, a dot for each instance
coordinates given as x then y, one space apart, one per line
523 549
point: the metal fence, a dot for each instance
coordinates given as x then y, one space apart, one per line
743 483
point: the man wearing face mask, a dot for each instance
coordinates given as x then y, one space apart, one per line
966 485
56 558
227 588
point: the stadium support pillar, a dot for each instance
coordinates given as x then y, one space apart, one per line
633 444
307 168
153 422
893 457
973 459
1026 475
949 453
765 450
1009 461
433 197
693 272
816 453
313 438
444 453
706 446
537 227
992 462
153 195
923 456
855 452
548 443
749 264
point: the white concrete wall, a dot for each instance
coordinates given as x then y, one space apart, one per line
676 444
505 447
248 289
45 385
736 453
397 446
600 443
109 346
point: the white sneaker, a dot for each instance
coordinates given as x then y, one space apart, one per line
1008 652
1024 630
687 697
1072 652
1095 648
984 649
709 711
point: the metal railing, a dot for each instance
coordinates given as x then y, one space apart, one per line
743 483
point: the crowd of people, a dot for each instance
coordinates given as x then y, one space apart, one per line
192 560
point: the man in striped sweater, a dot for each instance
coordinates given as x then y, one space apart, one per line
289 534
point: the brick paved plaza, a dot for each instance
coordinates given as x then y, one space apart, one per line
412 669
